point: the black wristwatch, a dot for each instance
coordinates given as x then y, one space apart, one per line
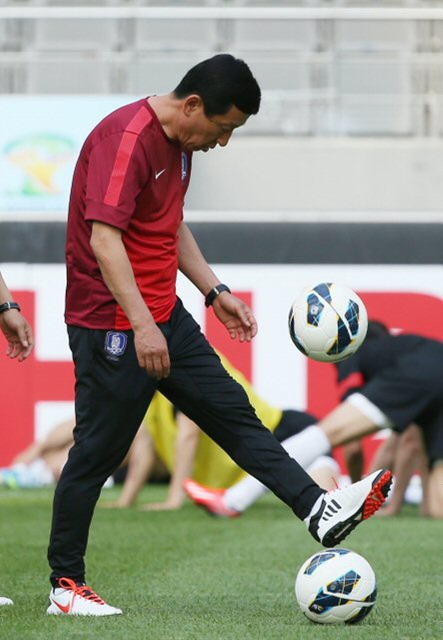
6 306
216 291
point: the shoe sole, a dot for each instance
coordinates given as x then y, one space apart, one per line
375 499
53 610
200 502
215 514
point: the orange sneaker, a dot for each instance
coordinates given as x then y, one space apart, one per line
73 600
213 500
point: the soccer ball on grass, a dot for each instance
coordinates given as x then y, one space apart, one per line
336 586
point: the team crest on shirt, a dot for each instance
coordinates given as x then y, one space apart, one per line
184 166
115 344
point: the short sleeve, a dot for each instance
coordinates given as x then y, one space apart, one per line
349 376
118 170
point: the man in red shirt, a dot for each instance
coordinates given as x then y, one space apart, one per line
129 333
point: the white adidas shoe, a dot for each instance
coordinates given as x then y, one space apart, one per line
341 510
73 600
5 601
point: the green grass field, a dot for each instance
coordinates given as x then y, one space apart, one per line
184 575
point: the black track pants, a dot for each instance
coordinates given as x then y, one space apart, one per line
112 396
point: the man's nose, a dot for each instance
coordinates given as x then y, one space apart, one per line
224 139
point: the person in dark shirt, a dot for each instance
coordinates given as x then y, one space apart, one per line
392 381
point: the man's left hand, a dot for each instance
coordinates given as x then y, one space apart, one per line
236 316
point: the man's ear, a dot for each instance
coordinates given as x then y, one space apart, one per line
191 104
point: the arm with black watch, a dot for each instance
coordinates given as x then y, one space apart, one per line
215 292
7 306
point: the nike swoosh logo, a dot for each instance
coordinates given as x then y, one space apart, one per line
64 608
157 175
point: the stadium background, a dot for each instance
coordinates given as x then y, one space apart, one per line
338 178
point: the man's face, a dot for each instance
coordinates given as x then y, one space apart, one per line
198 132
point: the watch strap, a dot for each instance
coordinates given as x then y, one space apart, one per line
216 291
6 306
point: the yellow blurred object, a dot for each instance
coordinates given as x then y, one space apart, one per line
213 467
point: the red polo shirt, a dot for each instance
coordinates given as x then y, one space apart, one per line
131 176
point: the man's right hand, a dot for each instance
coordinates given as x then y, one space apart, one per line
18 334
152 351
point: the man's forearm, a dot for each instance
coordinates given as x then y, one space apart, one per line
185 452
5 294
193 264
140 464
110 252
134 483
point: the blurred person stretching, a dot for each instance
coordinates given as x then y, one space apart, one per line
18 334
130 335
41 464
393 381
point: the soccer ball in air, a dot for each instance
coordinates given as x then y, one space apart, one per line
336 586
328 322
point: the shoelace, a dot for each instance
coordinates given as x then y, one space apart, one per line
83 591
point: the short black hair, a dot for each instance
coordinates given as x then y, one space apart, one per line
377 329
222 82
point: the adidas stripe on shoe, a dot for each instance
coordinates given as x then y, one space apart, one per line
340 511
78 600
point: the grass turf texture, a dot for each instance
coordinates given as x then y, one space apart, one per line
184 575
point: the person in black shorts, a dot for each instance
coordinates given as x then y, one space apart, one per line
393 381
130 334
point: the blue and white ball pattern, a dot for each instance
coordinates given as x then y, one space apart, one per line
336 586
328 322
